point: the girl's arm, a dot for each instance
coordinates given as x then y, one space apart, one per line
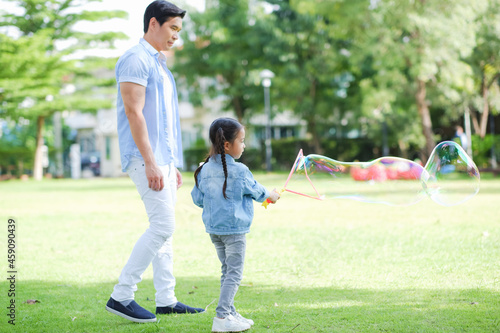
258 192
197 196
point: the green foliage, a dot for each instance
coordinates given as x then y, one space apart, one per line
312 77
285 151
481 149
354 63
394 44
342 149
222 51
17 146
483 95
254 158
35 69
194 156
59 17
28 75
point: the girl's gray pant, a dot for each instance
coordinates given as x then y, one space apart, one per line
231 253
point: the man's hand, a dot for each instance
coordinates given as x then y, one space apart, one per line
155 177
179 178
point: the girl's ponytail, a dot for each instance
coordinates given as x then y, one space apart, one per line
220 139
221 131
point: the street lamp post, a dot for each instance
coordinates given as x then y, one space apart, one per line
266 76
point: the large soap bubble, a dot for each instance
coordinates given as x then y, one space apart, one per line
452 176
449 178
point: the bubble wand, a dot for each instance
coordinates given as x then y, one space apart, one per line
294 167
410 181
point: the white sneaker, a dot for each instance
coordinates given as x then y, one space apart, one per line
243 319
229 324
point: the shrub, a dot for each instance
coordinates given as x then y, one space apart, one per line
193 157
481 149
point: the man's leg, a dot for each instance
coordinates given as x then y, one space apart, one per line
163 276
142 255
163 264
160 209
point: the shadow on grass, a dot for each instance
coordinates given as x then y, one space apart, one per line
74 308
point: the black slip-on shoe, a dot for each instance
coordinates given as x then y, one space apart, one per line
178 308
133 312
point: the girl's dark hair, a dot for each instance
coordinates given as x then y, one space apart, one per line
162 11
221 130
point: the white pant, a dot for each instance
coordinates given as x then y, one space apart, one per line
155 245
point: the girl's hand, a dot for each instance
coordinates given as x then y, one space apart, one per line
274 196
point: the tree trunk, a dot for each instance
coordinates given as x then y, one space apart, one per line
486 109
311 122
403 148
425 117
20 167
312 119
475 123
37 165
238 109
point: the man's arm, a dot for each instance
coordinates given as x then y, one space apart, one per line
134 97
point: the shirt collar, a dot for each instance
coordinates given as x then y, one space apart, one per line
162 57
148 47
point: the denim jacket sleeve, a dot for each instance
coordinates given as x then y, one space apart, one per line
251 187
197 196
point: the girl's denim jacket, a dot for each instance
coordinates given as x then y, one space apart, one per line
232 215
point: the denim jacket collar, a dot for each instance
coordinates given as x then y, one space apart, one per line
229 158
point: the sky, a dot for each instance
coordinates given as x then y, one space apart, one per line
132 26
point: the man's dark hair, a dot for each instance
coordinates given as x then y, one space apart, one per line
162 11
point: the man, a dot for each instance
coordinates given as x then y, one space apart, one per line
150 149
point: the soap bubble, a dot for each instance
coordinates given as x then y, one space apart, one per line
453 177
449 178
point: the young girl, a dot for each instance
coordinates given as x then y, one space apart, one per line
225 189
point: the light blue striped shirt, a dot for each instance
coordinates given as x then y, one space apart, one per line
141 65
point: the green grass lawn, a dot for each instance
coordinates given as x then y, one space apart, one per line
311 266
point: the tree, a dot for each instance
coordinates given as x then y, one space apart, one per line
232 43
423 40
223 53
17 145
485 61
312 75
35 70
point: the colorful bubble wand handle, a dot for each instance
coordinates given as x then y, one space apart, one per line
300 155
267 201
